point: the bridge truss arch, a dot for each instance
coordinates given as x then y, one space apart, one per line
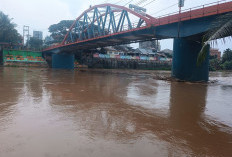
105 19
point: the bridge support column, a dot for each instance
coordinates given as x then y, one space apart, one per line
63 61
184 64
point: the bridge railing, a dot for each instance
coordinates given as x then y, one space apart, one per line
214 8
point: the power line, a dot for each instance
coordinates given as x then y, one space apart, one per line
124 6
149 3
119 1
164 9
128 3
141 1
106 1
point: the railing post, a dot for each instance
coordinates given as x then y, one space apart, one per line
203 10
190 13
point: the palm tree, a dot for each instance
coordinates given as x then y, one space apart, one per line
221 28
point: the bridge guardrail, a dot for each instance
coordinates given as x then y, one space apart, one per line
195 12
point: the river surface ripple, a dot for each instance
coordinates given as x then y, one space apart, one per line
58 113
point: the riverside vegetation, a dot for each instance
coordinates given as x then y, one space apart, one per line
224 64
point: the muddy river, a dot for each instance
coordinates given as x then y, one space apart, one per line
104 113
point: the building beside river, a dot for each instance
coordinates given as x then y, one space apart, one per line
216 53
19 58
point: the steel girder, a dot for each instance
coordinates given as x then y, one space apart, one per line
103 20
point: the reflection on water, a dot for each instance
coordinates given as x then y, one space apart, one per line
70 113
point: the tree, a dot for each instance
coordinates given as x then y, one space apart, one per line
35 43
227 65
227 55
227 59
8 33
215 64
58 31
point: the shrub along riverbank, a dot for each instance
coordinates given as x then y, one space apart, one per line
224 64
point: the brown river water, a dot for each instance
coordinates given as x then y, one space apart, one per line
103 113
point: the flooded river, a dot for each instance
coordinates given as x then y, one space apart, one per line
56 113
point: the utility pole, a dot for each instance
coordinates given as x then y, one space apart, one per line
26 33
180 5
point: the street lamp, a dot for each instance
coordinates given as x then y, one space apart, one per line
180 5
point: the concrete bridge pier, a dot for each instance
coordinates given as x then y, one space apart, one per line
63 61
184 66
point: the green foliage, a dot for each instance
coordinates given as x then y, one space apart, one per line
35 43
224 64
227 55
202 54
8 33
58 31
227 65
227 59
215 64
221 28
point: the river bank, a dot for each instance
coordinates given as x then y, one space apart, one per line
112 63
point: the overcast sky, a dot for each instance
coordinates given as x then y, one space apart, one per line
40 14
